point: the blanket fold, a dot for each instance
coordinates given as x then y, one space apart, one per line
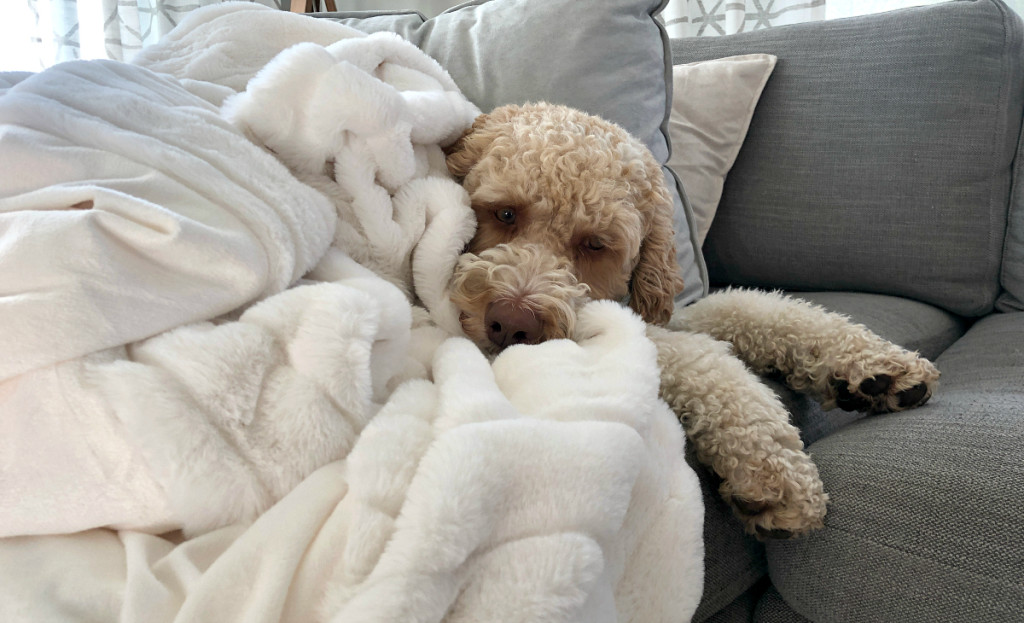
368 116
456 503
123 213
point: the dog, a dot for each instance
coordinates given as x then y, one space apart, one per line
571 207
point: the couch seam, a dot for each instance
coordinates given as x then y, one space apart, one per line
1003 99
975 574
666 50
802 607
731 587
1015 182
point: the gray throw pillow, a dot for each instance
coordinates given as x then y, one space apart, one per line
605 57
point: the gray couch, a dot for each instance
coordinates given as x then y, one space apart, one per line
879 179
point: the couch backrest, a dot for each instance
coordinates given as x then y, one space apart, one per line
879 157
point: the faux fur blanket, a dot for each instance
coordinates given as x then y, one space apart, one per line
224 308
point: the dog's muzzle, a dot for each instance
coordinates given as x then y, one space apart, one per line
516 294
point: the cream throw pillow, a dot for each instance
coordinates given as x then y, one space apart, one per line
712 104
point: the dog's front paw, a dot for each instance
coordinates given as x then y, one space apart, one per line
778 498
890 380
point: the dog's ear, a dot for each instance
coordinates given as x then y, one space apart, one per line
655 280
463 154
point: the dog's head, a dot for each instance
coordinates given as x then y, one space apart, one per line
568 206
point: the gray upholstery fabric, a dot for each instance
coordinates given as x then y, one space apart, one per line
606 57
911 324
990 358
879 156
742 608
733 561
807 415
772 608
1012 275
914 325
931 496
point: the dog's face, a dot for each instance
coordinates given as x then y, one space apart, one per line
569 207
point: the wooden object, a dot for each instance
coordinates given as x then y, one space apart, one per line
311 6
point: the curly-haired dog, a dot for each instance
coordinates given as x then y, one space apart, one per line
571 207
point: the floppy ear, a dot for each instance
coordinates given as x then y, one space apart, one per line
656 279
463 154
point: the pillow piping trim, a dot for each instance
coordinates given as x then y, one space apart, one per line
691 221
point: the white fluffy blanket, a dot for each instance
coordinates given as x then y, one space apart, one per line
198 337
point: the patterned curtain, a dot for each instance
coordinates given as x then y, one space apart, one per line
53 34
119 28
696 18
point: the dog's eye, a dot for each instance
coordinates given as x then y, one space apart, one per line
593 243
505 215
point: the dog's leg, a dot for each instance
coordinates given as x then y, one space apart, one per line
817 352
740 429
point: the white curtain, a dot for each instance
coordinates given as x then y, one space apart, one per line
128 25
50 32
701 18
46 32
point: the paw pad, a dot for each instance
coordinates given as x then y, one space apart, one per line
878 394
916 395
876 385
848 401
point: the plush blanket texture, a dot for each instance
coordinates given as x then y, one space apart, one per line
230 388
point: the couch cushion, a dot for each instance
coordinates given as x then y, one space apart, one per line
911 324
990 358
742 608
772 608
879 156
1012 275
929 495
606 57
733 561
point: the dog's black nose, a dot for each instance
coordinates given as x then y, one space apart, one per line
508 324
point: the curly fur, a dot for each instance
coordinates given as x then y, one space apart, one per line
818 352
570 206
740 428
526 274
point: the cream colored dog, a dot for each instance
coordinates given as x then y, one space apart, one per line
571 207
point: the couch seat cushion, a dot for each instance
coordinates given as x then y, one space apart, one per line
931 496
772 608
733 561
911 324
990 358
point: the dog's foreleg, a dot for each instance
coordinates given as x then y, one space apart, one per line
815 351
741 430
